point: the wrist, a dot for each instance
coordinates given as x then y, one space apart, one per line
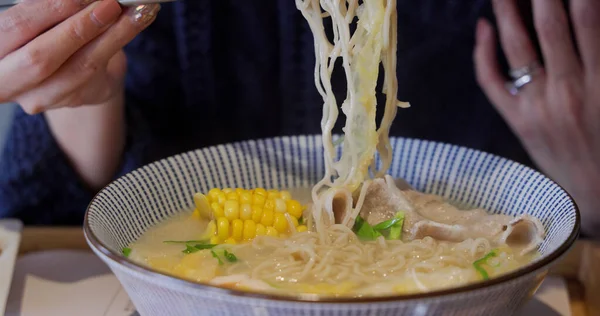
92 137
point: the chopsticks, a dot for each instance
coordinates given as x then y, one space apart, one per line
5 4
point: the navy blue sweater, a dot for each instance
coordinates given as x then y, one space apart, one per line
209 72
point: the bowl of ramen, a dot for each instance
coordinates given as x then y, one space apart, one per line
473 232
357 224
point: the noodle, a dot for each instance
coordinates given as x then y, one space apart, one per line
374 42
329 258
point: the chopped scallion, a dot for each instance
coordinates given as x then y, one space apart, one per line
229 256
185 241
194 248
214 254
126 251
478 264
364 230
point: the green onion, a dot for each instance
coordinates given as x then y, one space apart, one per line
386 224
218 253
301 220
126 251
194 248
396 229
229 256
185 241
478 264
214 254
391 228
364 230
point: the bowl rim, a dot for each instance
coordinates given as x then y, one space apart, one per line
118 258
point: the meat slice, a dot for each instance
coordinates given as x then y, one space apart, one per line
383 200
524 232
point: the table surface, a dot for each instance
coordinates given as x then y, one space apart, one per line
579 267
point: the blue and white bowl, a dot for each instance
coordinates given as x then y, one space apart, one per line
125 209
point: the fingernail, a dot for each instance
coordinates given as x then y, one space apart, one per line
144 14
106 12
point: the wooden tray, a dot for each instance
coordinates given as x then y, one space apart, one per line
580 267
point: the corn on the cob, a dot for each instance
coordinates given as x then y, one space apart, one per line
238 215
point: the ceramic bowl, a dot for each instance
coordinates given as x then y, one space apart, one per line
125 209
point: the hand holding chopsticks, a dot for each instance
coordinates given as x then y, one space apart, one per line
67 53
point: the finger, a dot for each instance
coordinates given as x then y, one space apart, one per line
486 66
25 21
90 60
102 87
40 58
553 31
513 36
586 22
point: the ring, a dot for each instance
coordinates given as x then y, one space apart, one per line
522 76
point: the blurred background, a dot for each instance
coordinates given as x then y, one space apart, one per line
6 114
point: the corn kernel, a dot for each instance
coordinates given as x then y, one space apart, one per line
260 191
214 240
301 228
293 219
231 210
232 196
202 205
272 232
280 206
230 241
237 229
217 210
259 200
294 208
261 230
222 228
245 211
210 231
221 198
285 195
239 191
212 194
227 190
267 217
249 230
273 194
257 213
196 214
246 197
280 222
270 205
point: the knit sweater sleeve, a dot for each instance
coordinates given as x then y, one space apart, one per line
37 182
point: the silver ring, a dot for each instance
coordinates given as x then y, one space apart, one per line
522 76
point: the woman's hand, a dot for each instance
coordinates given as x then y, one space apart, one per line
66 53
556 114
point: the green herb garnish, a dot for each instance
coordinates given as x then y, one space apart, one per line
218 253
390 229
214 254
396 229
126 251
386 224
185 241
478 264
194 248
229 256
364 230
